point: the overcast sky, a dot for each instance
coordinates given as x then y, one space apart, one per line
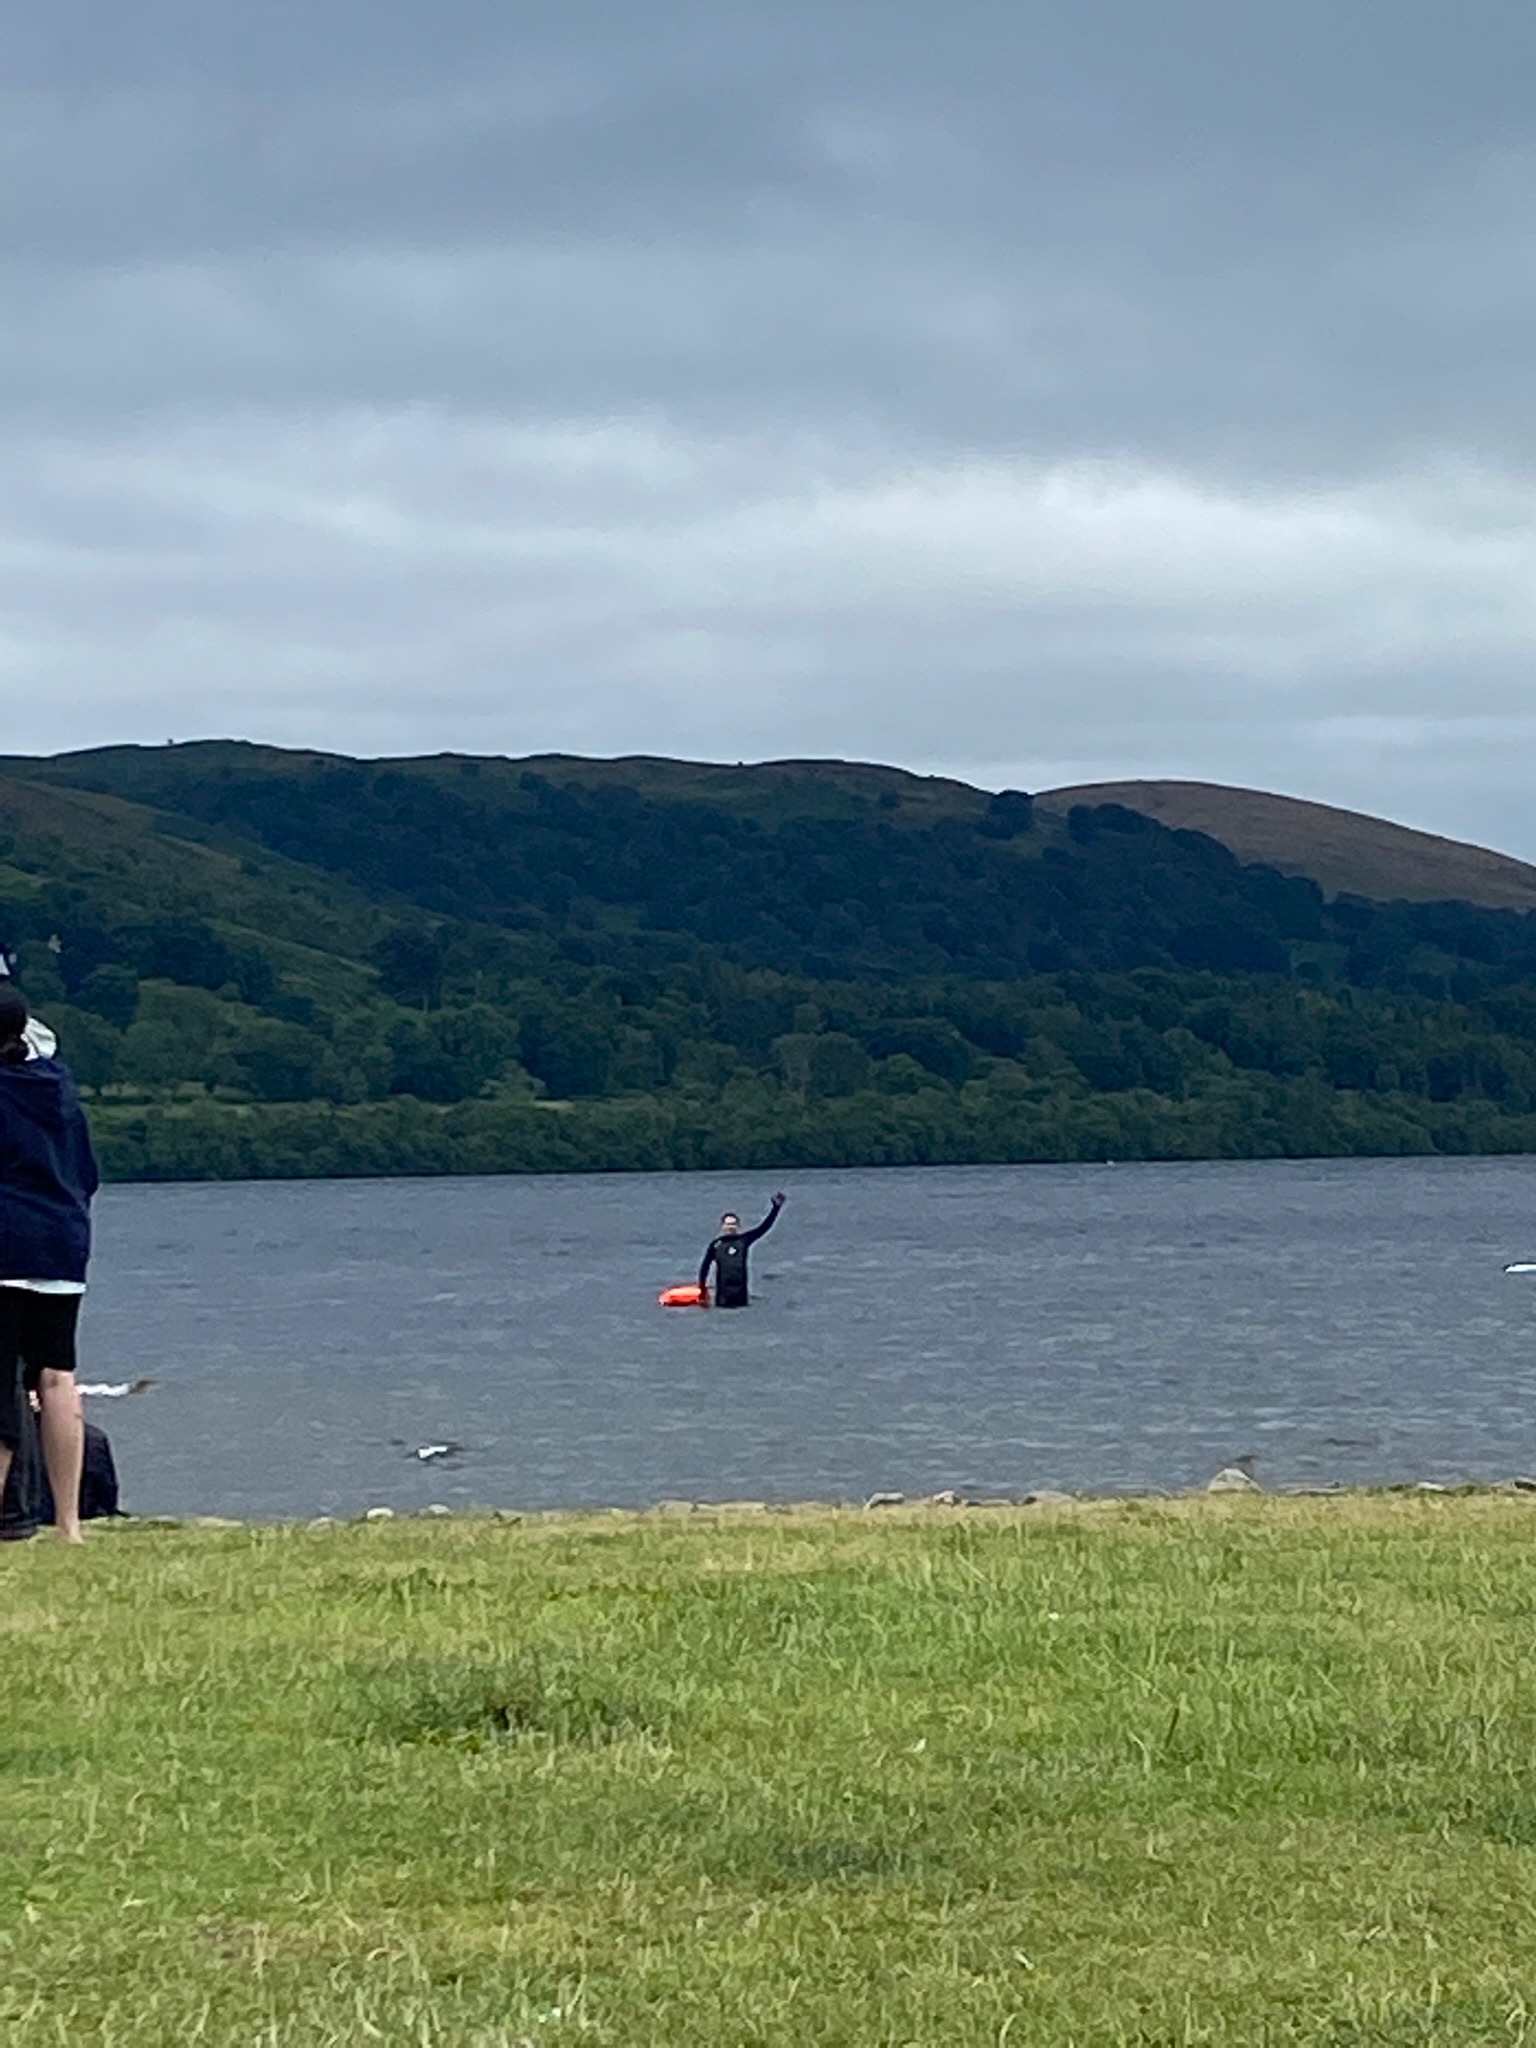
1033 392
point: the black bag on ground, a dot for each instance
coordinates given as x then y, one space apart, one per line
27 1503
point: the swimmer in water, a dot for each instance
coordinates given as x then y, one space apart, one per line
727 1255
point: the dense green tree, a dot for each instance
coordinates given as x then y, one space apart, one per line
453 1054
112 992
570 1047
412 960
94 1045
932 1041
278 1062
180 1034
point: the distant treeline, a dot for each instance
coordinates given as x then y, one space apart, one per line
503 973
1252 1119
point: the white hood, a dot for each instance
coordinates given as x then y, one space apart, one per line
39 1041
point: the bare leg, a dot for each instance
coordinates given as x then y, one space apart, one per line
5 1465
63 1448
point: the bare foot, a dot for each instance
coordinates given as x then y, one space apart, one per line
72 1534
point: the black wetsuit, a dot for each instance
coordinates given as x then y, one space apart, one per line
728 1256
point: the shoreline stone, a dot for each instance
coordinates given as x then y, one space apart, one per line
1233 1479
1230 1480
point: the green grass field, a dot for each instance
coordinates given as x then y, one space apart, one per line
1250 1771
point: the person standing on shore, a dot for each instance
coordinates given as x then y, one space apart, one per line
47 1179
727 1255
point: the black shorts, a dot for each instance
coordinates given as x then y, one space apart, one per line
37 1335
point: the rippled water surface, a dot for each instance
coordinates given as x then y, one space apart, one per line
986 1328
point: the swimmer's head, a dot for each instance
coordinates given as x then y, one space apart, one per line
730 1223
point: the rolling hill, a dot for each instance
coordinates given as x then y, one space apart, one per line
268 961
1346 852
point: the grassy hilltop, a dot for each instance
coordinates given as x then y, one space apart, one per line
1346 853
268 962
1241 1773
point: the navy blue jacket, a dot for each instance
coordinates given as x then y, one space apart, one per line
47 1174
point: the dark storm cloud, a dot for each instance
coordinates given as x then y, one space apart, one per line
1030 390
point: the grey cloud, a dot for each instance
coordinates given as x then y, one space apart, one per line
1137 220
734 379
810 321
1294 68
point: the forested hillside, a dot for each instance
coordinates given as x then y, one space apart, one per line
268 962
1345 853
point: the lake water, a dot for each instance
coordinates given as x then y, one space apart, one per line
991 1329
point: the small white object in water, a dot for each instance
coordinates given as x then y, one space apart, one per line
428 1452
1523 1266
114 1390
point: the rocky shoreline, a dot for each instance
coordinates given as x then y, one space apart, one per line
1230 1480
